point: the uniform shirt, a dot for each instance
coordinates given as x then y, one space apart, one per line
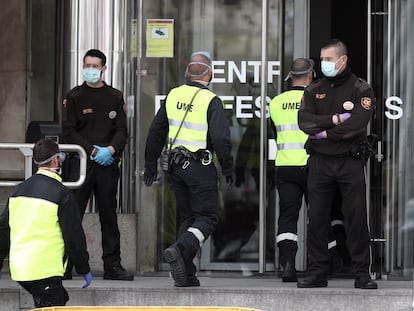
328 96
94 116
45 186
218 136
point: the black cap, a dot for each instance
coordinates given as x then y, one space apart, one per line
44 150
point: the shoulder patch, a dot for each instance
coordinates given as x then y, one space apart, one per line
366 103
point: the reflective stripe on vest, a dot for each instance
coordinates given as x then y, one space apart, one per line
290 139
193 132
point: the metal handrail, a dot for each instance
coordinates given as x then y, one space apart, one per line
27 151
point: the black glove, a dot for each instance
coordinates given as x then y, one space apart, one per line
150 173
229 182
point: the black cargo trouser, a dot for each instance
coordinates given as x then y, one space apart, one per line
292 187
325 173
197 203
47 292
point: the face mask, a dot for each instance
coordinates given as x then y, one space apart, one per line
328 68
91 75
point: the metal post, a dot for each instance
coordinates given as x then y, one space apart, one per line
263 143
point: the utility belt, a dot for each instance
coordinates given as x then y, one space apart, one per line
362 150
181 156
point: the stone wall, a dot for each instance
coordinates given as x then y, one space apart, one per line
13 51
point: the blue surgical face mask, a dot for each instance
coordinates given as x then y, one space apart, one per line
91 75
328 68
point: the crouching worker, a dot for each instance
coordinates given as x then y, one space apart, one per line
40 227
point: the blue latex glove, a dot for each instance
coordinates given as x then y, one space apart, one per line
320 135
88 279
344 116
103 156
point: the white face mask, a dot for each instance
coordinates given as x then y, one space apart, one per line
328 68
92 75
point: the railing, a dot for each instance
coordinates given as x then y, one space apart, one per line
27 151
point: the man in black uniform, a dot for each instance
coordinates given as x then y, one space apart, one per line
195 123
40 227
94 117
335 112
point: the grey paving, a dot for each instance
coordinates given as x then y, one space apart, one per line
262 292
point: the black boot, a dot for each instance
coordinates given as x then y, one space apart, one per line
180 256
173 256
117 272
313 281
192 281
289 273
365 283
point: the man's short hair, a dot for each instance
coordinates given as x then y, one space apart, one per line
336 43
300 68
96 53
44 150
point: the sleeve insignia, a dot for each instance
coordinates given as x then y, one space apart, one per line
366 103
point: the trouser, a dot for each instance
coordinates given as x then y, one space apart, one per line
103 183
324 175
197 203
338 230
47 292
292 186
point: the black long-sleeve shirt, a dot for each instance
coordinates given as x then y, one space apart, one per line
218 136
329 96
94 116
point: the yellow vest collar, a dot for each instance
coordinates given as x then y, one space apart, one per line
49 174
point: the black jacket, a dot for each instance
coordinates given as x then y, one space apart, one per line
94 116
329 96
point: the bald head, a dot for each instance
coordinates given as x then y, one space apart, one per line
199 67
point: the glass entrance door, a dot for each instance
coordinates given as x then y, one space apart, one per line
231 31
392 175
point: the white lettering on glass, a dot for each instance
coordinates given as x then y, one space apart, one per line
393 104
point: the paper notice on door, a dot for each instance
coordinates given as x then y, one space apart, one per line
160 38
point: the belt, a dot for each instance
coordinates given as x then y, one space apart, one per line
339 155
182 156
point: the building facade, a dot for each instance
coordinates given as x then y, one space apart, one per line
252 44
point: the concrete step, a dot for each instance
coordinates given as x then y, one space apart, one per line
260 292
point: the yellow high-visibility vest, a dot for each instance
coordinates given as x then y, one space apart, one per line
193 132
36 243
290 139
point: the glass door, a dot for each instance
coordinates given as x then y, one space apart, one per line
231 30
392 47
